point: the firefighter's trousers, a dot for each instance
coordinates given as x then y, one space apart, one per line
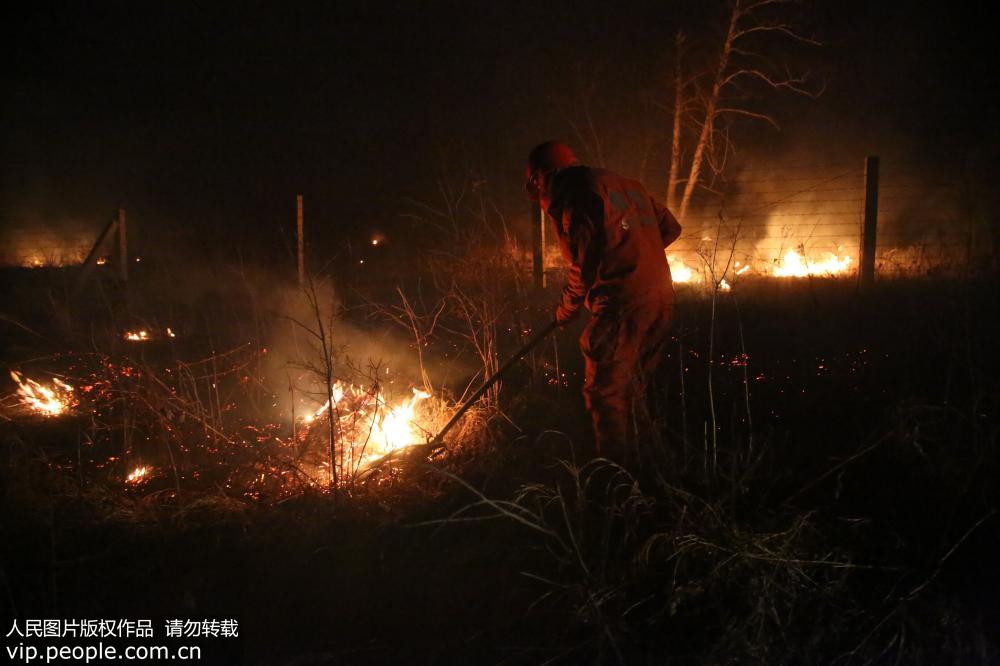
622 348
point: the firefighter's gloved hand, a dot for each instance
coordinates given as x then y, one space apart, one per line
565 315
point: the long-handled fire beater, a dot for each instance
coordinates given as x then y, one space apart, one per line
438 441
437 444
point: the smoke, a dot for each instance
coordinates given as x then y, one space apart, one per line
31 237
309 329
803 189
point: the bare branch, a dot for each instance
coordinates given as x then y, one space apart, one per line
754 6
751 114
790 83
782 28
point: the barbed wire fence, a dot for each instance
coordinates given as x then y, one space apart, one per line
926 226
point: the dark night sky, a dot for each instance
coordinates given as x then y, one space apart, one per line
211 116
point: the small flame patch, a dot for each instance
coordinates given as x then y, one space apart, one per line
53 400
138 475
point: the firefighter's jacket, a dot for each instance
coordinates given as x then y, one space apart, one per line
613 234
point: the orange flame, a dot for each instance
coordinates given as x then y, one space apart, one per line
794 264
53 400
370 427
138 475
680 272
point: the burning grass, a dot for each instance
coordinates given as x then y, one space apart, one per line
54 399
173 429
791 264
367 427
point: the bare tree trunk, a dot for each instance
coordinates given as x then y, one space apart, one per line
331 430
675 146
711 104
326 363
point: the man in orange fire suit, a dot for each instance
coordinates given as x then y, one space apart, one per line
613 234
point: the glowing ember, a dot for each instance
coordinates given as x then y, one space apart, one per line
679 271
101 261
138 475
137 336
53 400
725 286
794 264
170 333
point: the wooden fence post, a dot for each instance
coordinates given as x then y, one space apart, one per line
96 252
866 274
301 241
122 247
